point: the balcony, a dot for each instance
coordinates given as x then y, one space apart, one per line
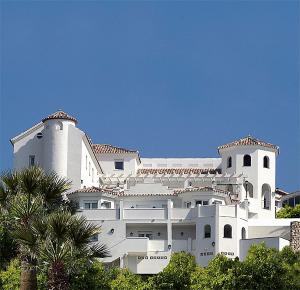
157 245
144 213
99 214
184 213
188 245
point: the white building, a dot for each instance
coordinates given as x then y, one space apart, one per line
151 207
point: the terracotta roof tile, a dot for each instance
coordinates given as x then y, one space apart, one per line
145 194
60 115
96 189
196 189
110 149
248 141
179 171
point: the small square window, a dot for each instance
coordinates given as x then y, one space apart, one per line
119 165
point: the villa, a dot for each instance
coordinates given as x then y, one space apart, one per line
149 208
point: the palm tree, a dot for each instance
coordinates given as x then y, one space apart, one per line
45 230
25 196
66 247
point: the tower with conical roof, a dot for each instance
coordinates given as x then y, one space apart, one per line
56 142
256 160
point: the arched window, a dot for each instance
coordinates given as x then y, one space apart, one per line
243 233
229 162
247 160
60 125
207 231
266 196
228 231
249 189
266 162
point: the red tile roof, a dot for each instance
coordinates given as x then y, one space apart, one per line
110 149
95 189
60 115
280 191
196 189
179 171
248 141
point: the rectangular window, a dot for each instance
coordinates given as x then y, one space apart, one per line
92 174
31 160
205 202
119 165
198 202
91 204
145 234
89 168
188 204
106 204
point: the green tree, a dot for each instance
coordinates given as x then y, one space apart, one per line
289 212
45 231
221 273
24 197
10 279
128 281
177 273
93 277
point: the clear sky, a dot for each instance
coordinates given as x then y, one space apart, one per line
167 78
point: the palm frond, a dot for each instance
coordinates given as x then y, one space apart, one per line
81 231
30 179
10 181
24 207
52 187
99 251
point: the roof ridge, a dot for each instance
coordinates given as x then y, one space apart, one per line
60 115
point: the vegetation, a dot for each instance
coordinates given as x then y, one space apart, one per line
289 212
45 235
44 246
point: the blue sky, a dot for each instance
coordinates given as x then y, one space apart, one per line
167 78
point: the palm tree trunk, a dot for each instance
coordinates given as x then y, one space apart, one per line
28 277
57 277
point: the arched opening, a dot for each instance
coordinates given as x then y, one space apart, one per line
59 126
248 189
243 233
207 231
228 231
230 188
266 196
247 160
229 162
266 162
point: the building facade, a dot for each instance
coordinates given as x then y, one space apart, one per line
149 208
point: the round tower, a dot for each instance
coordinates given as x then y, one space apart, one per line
55 138
256 161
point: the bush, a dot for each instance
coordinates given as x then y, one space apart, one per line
10 279
95 277
289 212
177 274
128 281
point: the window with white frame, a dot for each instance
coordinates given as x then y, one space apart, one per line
201 202
31 160
119 164
90 204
